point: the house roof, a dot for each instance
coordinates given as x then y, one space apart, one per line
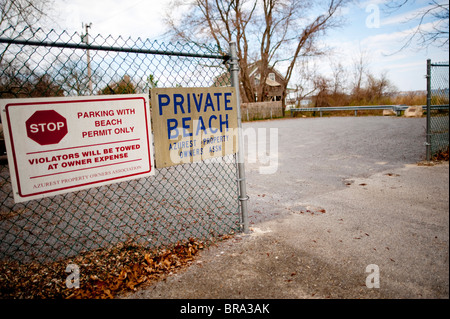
224 79
270 82
255 65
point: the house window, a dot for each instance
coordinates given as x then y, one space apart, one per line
272 76
256 79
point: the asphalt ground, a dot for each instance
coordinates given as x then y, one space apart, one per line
348 204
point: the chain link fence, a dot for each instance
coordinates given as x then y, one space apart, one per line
198 200
438 118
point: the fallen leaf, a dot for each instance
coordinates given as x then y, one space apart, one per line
104 273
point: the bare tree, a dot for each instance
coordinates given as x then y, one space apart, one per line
302 42
339 77
17 15
433 23
322 85
305 85
73 77
379 88
218 21
360 69
272 30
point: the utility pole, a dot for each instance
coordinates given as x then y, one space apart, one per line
85 39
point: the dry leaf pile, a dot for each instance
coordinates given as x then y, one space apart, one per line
103 273
442 155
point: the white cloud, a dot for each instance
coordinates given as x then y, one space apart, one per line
406 16
365 4
388 43
384 41
139 18
408 66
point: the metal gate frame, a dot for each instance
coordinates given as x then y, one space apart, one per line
430 131
230 59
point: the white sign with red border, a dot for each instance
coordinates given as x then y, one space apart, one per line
60 145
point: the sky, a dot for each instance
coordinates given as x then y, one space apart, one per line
380 42
369 29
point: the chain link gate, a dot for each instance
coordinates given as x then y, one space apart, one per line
437 108
199 200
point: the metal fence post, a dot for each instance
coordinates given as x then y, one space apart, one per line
428 142
243 197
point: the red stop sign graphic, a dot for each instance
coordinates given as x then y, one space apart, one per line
46 127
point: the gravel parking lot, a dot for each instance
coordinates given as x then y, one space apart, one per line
348 193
